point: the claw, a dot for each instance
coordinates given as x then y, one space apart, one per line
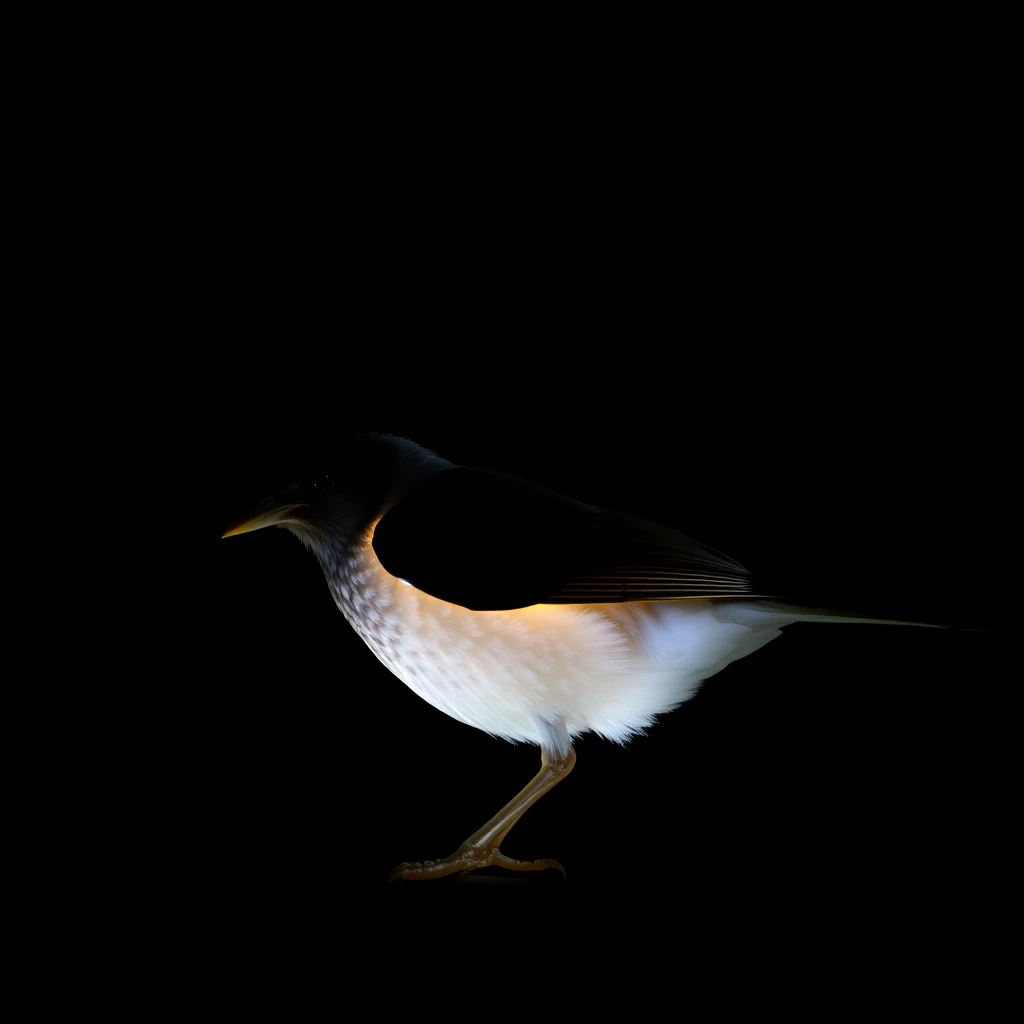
466 862
501 860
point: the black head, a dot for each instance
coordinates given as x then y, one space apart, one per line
365 475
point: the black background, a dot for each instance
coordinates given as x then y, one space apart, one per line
757 292
793 362
834 765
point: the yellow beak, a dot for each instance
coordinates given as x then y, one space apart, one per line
270 517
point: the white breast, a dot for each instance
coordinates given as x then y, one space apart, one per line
603 668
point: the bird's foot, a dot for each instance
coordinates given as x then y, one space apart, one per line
465 860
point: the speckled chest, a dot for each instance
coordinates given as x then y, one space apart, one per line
495 670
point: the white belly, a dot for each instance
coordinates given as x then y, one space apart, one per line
603 668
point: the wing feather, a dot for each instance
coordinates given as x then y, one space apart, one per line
489 541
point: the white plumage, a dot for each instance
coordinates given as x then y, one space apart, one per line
547 669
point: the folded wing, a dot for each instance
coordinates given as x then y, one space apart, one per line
489 541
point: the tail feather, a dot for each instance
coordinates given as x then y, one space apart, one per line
797 611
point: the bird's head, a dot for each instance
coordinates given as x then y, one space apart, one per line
306 507
366 475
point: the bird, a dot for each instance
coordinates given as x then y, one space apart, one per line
527 614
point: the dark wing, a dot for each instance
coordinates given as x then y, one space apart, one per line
488 541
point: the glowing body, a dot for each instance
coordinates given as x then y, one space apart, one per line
520 674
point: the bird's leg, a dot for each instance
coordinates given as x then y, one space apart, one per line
480 850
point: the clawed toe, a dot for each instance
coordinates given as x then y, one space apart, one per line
465 862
